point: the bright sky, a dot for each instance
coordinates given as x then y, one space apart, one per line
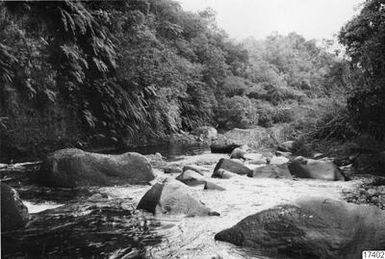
314 19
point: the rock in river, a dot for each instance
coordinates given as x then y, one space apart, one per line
271 171
222 147
223 174
317 169
191 178
312 228
232 166
172 197
75 167
14 214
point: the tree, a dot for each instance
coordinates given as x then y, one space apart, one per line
364 39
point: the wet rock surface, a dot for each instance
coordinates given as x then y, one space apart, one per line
14 214
172 197
74 167
271 171
233 166
316 169
311 228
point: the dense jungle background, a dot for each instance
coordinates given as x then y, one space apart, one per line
96 74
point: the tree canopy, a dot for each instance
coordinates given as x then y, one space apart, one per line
364 39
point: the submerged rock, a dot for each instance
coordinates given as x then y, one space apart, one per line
232 166
317 169
172 197
312 228
271 171
14 214
75 167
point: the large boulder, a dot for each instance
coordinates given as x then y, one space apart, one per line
271 171
232 166
14 214
191 178
311 228
172 197
222 147
317 169
74 167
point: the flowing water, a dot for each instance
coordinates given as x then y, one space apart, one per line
178 236
193 237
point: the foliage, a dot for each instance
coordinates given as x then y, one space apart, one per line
364 38
334 123
236 112
292 62
135 70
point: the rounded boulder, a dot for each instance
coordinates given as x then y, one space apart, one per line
172 197
14 214
75 167
311 228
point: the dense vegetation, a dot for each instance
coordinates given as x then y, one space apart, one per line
128 72
364 38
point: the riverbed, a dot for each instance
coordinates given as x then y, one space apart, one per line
193 237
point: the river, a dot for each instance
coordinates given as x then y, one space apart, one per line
180 236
